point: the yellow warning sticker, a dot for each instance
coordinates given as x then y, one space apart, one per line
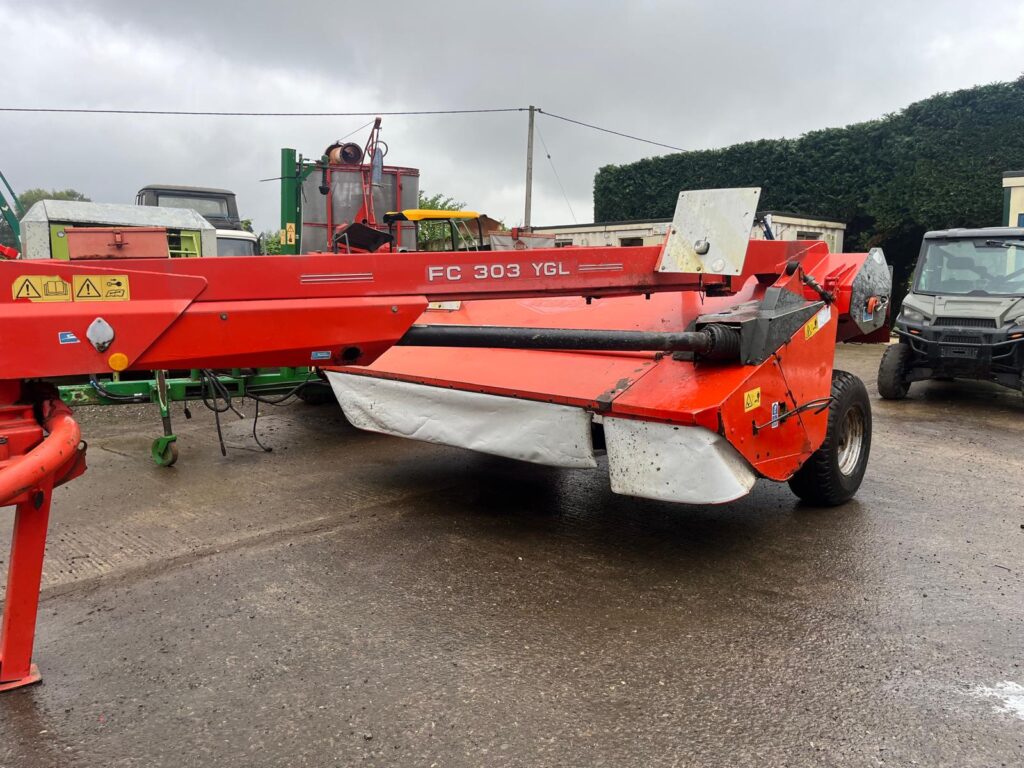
816 323
752 399
41 288
101 287
290 232
811 328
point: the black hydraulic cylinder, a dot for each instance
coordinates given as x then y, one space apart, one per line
703 342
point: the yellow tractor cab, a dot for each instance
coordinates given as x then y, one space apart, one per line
442 230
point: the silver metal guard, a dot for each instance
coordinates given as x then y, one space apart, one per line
710 231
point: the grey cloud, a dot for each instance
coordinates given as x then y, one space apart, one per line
686 73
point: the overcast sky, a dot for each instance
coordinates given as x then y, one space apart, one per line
690 74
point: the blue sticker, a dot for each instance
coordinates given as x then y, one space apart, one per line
775 415
320 355
66 337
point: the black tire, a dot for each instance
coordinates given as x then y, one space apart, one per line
892 372
834 472
317 393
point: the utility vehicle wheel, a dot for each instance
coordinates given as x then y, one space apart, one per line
316 393
892 372
834 472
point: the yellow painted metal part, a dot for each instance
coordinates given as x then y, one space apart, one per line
423 214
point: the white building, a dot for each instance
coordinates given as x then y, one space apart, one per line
785 226
1013 199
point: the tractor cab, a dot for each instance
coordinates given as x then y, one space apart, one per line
434 231
217 206
442 230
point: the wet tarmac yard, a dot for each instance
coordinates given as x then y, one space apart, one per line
353 599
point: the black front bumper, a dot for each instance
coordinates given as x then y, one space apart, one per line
977 353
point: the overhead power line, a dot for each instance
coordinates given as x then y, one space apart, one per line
557 178
382 113
609 130
190 113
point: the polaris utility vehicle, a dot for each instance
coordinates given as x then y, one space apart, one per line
964 315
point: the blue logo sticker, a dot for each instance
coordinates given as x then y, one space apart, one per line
320 355
67 337
776 412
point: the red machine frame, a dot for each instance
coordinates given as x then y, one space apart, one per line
650 385
324 309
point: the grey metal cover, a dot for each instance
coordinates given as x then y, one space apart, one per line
873 279
996 232
35 227
710 231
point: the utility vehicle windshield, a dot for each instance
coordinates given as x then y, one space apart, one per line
972 267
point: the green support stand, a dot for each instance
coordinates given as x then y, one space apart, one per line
163 390
164 449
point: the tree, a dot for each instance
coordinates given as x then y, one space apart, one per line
271 242
30 197
439 202
937 164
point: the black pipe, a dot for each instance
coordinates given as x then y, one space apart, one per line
705 342
324 187
138 397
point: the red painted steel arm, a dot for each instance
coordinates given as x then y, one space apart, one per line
293 310
296 310
56 457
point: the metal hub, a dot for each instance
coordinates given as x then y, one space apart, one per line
851 441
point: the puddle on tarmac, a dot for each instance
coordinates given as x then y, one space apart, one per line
1010 697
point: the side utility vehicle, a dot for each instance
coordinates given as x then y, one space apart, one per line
964 315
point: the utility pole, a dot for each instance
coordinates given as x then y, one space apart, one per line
529 168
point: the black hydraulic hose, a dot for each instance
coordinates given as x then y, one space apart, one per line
104 392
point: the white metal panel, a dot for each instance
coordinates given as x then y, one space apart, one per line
35 239
542 433
690 465
502 242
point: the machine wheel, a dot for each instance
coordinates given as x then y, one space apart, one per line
892 372
834 472
164 451
316 393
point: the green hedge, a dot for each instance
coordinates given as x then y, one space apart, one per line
936 164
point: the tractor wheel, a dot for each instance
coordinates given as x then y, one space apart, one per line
834 472
316 393
892 372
